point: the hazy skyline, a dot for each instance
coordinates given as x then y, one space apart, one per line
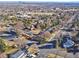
45 0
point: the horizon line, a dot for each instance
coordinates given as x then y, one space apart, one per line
44 1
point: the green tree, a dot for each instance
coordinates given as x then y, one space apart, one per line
77 23
14 18
43 26
5 18
55 22
2 45
27 22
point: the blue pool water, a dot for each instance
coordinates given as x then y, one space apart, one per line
67 42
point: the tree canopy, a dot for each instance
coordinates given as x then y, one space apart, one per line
2 45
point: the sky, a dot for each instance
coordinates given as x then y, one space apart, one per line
45 0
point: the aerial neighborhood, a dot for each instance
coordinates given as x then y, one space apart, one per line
39 30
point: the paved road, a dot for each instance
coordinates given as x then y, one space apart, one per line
44 52
71 20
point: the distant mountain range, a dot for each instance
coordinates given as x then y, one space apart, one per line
56 4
